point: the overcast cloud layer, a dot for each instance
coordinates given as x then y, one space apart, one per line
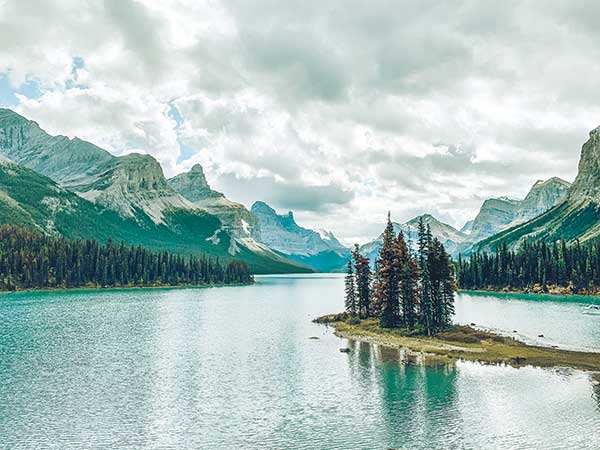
339 110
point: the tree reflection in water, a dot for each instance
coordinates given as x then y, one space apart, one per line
418 402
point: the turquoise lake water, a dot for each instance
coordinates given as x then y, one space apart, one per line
234 368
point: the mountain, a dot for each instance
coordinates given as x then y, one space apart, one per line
542 196
70 162
133 185
129 194
236 219
577 217
317 249
497 214
454 241
494 215
31 199
467 228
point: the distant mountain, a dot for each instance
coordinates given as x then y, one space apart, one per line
497 214
542 196
467 227
318 249
130 192
236 219
577 217
494 215
453 240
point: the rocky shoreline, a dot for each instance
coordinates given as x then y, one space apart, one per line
460 343
541 290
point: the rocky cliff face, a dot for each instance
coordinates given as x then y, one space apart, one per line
70 162
495 215
135 184
542 196
282 233
131 185
318 249
586 186
193 186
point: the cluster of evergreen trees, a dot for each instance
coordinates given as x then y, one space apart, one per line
32 260
534 263
414 291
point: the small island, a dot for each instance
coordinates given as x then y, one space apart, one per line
460 342
408 303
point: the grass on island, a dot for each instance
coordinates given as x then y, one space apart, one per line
460 342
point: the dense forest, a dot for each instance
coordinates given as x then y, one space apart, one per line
29 259
412 290
535 265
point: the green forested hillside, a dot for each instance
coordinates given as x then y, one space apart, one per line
30 259
30 199
568 222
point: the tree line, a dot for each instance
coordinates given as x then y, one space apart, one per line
535 263
407 289
29 259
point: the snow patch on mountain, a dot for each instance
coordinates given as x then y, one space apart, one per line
245 226
215 239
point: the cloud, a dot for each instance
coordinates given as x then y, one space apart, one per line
341 111
286 195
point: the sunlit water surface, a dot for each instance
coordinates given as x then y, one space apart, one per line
233 368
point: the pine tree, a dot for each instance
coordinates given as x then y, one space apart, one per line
30 259
408 279
362 269
386 285
535 265
443 286
425 304
351 302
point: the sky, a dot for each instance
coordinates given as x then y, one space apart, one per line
339 110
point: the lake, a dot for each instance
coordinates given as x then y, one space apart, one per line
234 368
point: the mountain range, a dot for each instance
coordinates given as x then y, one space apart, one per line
495 215
317 249
236 219
576 218
73 188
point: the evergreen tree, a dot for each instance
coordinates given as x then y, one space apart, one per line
408 280
442 282
426 301
536 266
362 270
386 284
29 259
351 301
